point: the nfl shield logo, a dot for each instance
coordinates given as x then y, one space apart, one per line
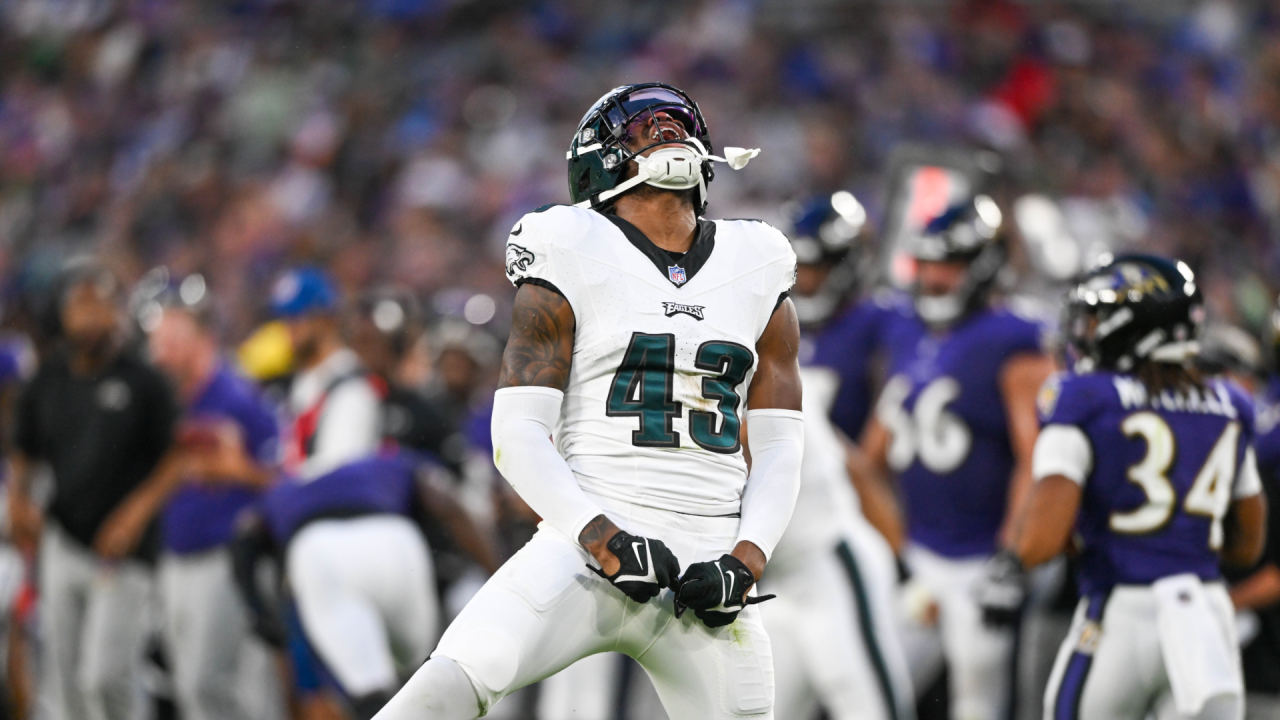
676 273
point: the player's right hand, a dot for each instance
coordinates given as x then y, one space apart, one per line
646 566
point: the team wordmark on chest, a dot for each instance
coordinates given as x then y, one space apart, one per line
674 308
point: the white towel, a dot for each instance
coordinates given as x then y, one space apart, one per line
1199 655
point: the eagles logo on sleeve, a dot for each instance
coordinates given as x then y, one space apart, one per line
518 261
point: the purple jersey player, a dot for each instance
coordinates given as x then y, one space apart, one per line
1152 465
357 566
833 625
956 423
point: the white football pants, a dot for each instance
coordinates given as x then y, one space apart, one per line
1119 673
834 635
365 591
544 610
586 690
979 658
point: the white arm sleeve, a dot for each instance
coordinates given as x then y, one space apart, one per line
523 419
1248 481
776 439
350 428
1062 450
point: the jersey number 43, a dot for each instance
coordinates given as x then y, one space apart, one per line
644 388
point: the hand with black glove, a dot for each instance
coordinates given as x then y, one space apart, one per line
717 590
647 566
1002 590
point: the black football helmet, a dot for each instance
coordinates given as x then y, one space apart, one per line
1133 308
969 232
598 155
827 231
599 158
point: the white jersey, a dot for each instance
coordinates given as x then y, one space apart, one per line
828 504
664 350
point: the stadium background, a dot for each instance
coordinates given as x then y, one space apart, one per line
399 140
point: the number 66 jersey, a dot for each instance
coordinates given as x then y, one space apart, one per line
1159 472
664 350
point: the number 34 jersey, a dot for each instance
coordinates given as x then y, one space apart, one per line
664 350
1159 472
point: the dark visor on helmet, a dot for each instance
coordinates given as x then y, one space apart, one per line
639 104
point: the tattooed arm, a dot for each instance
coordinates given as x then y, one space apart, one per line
540 347
539 353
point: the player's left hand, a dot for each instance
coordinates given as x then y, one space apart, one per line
717 590
1002 590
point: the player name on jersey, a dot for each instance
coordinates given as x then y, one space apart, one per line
1133 395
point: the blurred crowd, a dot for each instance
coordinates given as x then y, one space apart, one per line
400 139
395 143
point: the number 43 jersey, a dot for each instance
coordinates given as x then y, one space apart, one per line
664 350
1159 472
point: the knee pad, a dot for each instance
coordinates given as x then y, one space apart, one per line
439 690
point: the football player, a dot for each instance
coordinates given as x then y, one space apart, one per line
1152 464
1255 592
641 334
352 547
832 626
956 423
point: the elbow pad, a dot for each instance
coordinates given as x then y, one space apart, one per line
776 438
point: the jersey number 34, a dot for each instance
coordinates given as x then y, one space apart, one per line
644 388
1210 492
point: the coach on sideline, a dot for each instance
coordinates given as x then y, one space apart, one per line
102 419
230 446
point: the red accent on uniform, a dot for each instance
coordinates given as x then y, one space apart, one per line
300 445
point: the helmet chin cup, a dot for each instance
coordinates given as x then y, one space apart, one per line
672 168
939 310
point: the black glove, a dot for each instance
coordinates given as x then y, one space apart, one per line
647 566
1002 590
717 591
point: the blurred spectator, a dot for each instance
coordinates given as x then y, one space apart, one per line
230 447
102 420
383 331
335 408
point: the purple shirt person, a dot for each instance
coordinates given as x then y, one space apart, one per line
226 450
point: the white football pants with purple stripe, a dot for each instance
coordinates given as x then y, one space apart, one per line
1111 666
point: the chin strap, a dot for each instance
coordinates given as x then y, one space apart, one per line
676 168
